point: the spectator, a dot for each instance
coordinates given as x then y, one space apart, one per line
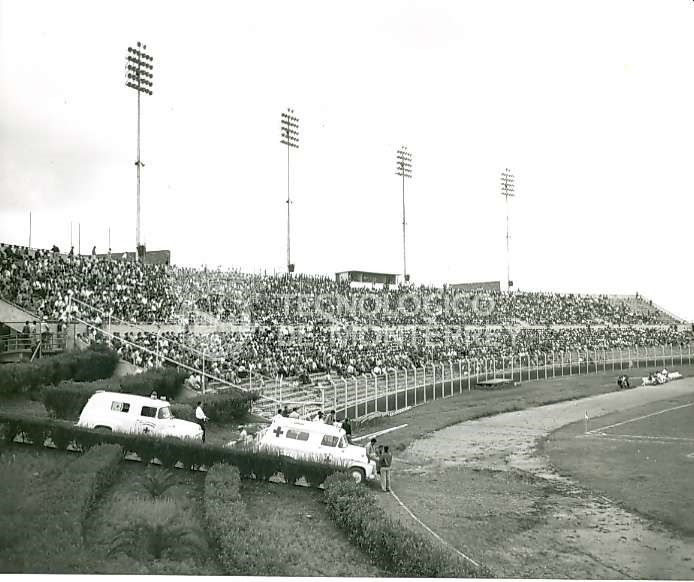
201 419
294 413
318 417
347 427
372 450
385 461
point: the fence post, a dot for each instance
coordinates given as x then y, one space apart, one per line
433 369
571 369
512 378
406 386
375 392
345 381
545 365
415 385
467 365
554 375
425 382
595 360
494 368
396 390
486 368
689 353
332 385
450 370
460 377
386 391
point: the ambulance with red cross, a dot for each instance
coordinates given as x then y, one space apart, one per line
308 440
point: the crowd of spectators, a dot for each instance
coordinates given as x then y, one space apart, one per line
300 325
273 352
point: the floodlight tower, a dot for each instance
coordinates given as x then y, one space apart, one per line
507 191
139 69
289 136
403 169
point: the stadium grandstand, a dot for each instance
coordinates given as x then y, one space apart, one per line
265 331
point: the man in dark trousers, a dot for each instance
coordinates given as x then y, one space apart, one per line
201 418
385 461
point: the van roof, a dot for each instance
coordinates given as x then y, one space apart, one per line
308 425
133 398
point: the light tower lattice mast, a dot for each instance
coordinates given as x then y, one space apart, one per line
404 170
507 191
139 69
289 136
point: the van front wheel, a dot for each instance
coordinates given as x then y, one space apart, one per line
357 474
103 429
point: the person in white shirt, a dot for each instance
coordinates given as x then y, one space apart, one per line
294 413
201 419
318 417
243 435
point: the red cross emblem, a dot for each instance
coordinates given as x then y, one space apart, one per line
278 431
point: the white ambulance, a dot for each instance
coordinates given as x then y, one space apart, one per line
307 440
118 412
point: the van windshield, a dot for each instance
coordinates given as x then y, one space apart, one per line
165 412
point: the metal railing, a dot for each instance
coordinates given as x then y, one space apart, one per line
398 390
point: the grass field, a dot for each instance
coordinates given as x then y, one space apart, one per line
642 459
306 535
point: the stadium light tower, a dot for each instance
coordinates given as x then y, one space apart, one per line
139 69
507 191
404 169
289 136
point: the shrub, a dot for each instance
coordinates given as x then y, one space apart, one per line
243 550
400 551
67 399
157 481
171 452
92 364
157 528
166 381
228 406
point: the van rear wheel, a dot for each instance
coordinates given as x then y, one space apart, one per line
357 474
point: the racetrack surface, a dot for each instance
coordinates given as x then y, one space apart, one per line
565 531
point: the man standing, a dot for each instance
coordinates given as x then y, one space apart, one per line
372 451
385 461
347 427
201 419
294 413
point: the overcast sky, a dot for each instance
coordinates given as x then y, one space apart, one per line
589 103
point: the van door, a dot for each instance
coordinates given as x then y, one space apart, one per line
146 421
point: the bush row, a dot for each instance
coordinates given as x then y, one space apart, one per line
67 399
170 452
82 366
243 549
399 551
57 546
226 406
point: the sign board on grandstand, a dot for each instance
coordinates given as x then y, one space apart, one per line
483 285
151 257
367 277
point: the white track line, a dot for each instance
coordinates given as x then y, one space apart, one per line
432 532
379 433
603 428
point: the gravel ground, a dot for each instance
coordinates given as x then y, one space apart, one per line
580 534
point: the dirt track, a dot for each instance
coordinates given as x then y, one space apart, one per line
581 535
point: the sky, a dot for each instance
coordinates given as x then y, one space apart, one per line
588 103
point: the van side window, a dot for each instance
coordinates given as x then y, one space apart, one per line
120 406
329 440
150 411
298 435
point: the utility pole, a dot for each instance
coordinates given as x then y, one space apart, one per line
507 191
289 136
404 170
139 70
